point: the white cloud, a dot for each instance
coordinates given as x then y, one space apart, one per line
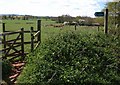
52 7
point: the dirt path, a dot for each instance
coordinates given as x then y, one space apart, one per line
17 69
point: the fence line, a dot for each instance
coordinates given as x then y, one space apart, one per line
12 44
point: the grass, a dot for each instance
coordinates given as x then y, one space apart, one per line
14 25
46 31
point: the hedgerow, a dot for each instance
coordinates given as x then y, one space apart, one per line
72 58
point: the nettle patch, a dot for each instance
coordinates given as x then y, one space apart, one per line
73 58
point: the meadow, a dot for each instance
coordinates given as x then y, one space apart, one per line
46 31
69 56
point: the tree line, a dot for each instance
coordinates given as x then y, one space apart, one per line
18 17
81 20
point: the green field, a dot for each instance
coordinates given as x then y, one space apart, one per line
46 31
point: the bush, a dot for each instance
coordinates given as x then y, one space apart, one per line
115 31
6 69
72 58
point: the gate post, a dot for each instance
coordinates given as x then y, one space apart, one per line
39 29
106 22
32 39
22 42
4 39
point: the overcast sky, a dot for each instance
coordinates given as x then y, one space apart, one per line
52 7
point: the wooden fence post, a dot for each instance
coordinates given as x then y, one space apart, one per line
4 39
22 42
75 26
98 28
39 29
106 21
32 39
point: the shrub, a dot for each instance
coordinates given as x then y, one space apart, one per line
6 69
73 58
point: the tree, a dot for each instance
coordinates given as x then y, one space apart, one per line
64 18
4 17
99 20
114 17
88 20
114 12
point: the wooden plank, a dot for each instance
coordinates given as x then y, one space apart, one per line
11 55
37 45
9 33
13 47
17 56
4 42
14 53
4 49
30 42
36 34
17 45
29 31
24 42
25 31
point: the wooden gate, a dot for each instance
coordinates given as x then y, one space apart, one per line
9 47
15 47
